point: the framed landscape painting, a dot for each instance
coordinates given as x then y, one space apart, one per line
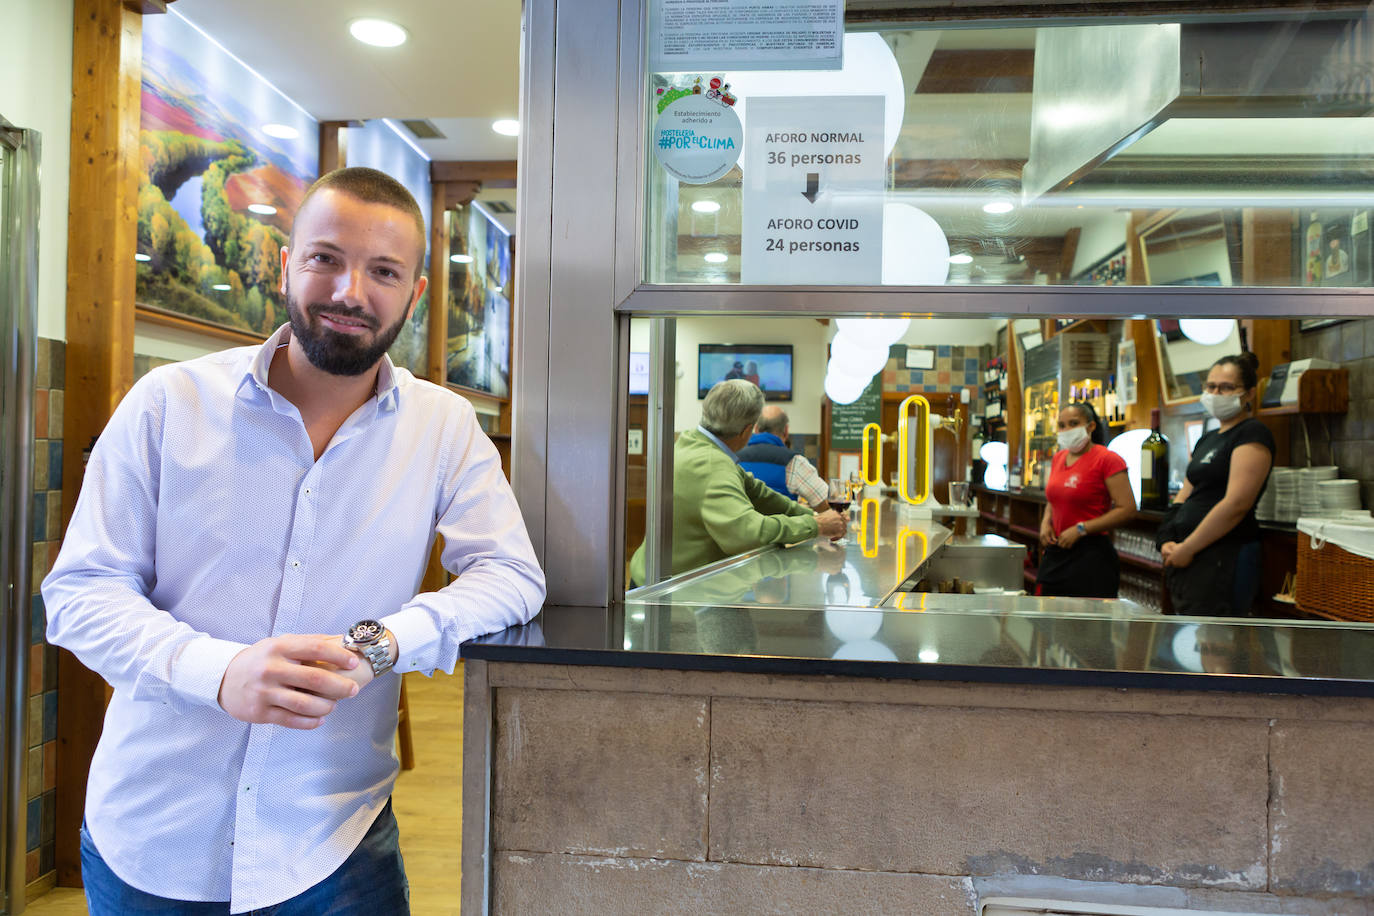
480 293
225 161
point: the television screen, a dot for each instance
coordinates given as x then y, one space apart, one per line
639 373
767 365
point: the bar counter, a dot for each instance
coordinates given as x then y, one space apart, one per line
786 730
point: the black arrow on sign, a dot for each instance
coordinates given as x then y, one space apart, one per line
813 183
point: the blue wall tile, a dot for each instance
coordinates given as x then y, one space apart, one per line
38 619
33 822
55 464
942 350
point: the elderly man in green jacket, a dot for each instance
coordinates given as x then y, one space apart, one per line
719 509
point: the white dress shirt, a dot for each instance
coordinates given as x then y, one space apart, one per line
204 525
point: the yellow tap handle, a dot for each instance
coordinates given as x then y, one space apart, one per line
902 538
907 475
869 521
876 465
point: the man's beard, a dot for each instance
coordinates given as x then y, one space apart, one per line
335 353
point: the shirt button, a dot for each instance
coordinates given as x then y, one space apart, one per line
295 562
307 491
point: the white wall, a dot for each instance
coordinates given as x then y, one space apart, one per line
36 93
809 339
1194 261
1100 237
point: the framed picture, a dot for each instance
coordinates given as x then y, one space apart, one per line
920 358
1334 248
1312 324
225 162
479 307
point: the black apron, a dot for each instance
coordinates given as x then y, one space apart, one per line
1088 569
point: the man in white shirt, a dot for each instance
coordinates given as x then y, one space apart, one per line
243 564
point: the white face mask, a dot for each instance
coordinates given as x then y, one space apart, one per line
1074 438
1221 406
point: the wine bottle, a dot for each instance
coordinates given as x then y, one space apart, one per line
1154 467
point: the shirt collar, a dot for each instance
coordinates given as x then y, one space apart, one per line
388 389
719 444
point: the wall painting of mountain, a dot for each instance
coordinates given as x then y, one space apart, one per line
203 253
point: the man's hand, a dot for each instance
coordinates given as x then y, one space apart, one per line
831 524
290 680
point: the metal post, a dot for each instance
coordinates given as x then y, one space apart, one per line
658 459
19 287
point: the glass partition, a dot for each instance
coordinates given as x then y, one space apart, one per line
1219 152
1000 384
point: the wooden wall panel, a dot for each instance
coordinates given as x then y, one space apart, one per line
102 237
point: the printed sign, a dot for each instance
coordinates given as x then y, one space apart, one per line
697 139
813 191
693 35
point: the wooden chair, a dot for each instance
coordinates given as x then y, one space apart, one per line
403 731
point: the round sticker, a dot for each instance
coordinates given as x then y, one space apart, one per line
697 139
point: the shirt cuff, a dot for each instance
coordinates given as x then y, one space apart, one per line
199 668
415 633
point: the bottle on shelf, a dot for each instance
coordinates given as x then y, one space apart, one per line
1154 467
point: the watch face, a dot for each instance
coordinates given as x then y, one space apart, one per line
365 631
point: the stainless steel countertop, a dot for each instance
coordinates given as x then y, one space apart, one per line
885 546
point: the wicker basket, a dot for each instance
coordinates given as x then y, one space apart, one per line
1333 582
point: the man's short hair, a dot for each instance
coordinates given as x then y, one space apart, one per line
731 407
373 187
773 420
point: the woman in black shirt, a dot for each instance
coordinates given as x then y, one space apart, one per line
1210 539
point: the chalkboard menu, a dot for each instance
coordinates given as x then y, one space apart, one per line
847 421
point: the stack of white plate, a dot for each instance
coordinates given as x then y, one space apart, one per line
1267 507
1338 496
1284 484
1309 496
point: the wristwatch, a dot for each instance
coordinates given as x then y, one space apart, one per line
368 639
1082 528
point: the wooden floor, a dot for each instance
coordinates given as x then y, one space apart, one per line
428 803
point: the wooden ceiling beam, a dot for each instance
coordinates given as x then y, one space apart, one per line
978 70
147 7
486 172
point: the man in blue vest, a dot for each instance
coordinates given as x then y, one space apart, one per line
768 458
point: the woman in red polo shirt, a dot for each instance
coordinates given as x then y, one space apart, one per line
1089 494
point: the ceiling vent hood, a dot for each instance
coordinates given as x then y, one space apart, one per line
1098 89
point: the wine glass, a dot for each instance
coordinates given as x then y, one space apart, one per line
839 501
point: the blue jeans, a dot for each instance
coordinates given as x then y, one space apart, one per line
370 882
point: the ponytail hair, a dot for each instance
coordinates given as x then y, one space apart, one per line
1246 363
1099 435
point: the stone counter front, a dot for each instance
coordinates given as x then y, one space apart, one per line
622 790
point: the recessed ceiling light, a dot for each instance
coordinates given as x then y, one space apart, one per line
222 287
143 257
506 127
460 258
263 209
377 32
705 206
961 258
998 207
715 257
281 131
